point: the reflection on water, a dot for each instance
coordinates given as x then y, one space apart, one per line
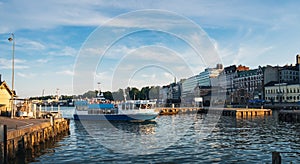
176 139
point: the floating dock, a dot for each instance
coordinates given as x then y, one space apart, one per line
22 135
236 112
240 112
289 115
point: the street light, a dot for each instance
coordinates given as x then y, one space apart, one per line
12 39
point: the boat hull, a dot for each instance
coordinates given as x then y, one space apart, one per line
116 117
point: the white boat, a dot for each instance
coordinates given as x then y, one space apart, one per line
133 110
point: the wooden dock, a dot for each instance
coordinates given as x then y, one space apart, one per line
236 112
240 112
289 115
24 135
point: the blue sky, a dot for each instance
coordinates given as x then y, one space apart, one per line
50 35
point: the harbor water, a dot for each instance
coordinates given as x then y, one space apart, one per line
174 139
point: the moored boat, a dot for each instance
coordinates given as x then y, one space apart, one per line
133 110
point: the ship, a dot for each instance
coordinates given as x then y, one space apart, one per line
131 110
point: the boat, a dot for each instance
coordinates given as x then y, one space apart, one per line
132 110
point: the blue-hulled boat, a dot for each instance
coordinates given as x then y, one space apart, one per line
133 110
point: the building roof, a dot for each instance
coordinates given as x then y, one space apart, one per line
273 83
247 73
3 84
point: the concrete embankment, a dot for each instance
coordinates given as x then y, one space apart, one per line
23 135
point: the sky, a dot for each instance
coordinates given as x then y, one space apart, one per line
72 47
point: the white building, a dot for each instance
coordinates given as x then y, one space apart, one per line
282 92
205 78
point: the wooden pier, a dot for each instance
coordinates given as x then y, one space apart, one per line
236 112
240 112
22 135
289 115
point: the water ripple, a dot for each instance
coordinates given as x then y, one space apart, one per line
232 141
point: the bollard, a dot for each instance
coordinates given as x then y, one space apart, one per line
276 158
34 111
51 120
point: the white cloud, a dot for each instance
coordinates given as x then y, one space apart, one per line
27 75
66 51
65 72
28 44
250 53
42 61
7 64
49 14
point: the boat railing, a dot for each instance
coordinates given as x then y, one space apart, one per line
103 111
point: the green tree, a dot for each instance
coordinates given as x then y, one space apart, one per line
89 94
108 95
118 95
134 94
144 94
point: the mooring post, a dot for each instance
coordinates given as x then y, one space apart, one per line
5 144
276 158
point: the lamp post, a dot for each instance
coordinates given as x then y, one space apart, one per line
12 39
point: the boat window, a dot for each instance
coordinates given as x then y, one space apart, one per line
143 106
136 106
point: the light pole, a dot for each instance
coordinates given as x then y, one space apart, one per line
12 39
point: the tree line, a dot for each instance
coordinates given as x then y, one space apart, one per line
146 93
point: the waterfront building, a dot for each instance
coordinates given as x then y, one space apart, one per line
226 81
282 92
248 85
163 95
207 78
271 74
170 94
289 74
5 98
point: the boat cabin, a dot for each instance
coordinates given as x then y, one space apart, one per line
137 105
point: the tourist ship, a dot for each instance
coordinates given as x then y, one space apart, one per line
132 110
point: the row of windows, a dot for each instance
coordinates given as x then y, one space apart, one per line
283 98
289 72
248 78
274 91
288 77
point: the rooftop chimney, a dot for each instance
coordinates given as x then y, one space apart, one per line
298 59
